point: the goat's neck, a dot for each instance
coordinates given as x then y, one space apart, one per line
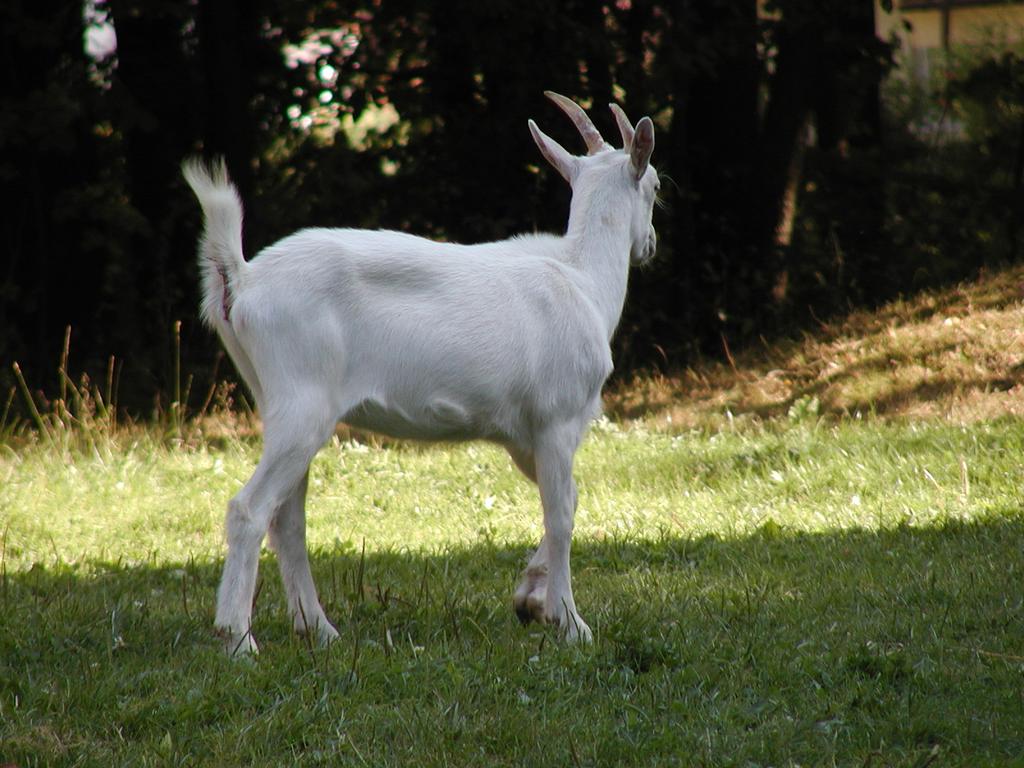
598 243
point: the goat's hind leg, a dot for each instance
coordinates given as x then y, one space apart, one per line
291 439
528 599
288 540
531 593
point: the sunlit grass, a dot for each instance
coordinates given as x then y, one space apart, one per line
635 482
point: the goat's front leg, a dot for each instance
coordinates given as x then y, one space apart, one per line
288 540
554 457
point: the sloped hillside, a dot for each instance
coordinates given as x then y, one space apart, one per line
956 354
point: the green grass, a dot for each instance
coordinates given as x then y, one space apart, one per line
790 593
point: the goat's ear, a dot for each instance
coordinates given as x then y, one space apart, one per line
625 127
553 152
642 147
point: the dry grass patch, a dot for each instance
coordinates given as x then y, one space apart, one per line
956 354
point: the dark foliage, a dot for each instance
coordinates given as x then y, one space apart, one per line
785 198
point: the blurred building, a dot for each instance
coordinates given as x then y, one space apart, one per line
928 29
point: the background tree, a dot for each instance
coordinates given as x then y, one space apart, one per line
52 152
785 198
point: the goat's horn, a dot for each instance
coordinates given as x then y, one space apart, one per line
625 127
579 118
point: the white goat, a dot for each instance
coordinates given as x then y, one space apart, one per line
505 341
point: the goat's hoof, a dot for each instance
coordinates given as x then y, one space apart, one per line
529 605
326 634
571 627
528 600
529 608
239 645
322 633
577 631
522 612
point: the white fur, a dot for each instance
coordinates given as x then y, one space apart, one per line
505 341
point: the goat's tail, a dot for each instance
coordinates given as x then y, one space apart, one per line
221 262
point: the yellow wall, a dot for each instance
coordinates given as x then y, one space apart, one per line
994 24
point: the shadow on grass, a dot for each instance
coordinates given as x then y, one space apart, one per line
811 647
613 577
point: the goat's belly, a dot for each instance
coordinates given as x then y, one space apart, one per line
435 420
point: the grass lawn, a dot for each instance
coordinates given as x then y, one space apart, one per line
799 594
789 583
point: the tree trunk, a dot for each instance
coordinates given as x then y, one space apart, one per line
712 153
155 89
228 34
49 159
